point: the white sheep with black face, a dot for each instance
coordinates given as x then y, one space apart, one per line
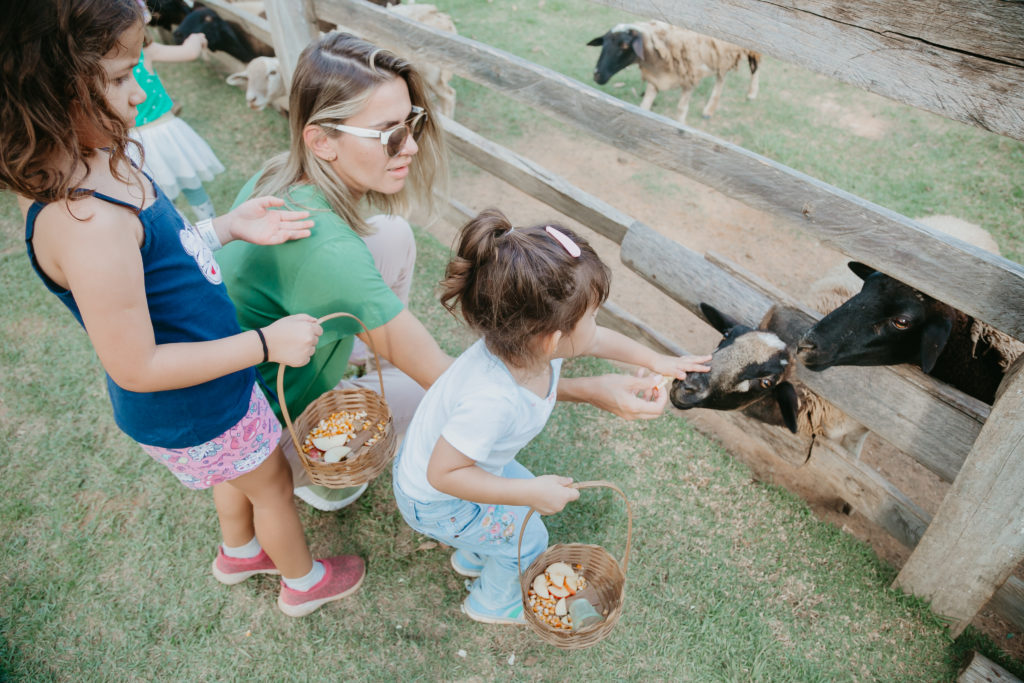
751 371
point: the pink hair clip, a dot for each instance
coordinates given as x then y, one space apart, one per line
565 241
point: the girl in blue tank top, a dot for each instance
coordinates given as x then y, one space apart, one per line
144 284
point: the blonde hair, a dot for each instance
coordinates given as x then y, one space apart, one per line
333 80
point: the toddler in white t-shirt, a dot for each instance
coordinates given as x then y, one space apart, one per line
532 294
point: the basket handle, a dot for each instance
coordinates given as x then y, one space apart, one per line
624 563
280 377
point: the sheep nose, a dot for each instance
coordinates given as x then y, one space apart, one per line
805 346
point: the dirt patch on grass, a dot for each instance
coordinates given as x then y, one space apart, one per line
705 220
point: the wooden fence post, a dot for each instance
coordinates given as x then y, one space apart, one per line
977 538
292 27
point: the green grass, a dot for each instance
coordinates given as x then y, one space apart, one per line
105 569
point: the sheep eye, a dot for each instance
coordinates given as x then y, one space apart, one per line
767 382
900 322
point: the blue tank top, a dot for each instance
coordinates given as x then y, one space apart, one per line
188 302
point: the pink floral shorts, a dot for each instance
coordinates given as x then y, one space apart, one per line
241 449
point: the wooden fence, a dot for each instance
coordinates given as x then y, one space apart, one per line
969 68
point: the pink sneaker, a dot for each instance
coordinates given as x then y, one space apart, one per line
342 577
232 570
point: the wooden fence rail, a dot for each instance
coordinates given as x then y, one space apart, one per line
948 432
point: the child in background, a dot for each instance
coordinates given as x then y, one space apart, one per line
533 295
145 286
175 156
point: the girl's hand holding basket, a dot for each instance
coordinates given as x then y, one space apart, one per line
292 340
549 493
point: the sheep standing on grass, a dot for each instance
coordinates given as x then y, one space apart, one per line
889 323
671 57
437 78
751 371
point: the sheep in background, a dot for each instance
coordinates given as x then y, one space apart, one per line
888 323
167 14
670 57
262 80
221 35
751 372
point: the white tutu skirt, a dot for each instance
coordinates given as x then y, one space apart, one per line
176 157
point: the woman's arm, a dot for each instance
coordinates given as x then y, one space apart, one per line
99 261
405 342
451 472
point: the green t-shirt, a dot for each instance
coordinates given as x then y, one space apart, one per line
328 272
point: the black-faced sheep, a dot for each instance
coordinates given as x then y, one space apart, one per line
671 57
167 13
751 372
262 80
888 323
221 35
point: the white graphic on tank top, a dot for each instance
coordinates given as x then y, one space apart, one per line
197 249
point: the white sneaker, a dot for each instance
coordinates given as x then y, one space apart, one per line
328 499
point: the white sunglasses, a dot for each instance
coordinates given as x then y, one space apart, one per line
393 139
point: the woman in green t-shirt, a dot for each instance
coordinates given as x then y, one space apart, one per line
364 140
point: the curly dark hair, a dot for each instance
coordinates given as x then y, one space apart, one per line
52 83
513 284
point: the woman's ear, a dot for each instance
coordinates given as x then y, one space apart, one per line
319 142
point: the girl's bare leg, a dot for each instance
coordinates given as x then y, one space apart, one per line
261 502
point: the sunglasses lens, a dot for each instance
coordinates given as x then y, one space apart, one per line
397 140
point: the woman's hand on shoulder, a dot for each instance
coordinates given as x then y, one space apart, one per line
550 493
292 340
258 222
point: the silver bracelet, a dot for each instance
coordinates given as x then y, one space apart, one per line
209 235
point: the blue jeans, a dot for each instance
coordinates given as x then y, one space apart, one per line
490 531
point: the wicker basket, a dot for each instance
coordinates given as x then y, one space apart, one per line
372 459
606 581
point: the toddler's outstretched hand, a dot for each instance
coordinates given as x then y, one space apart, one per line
255 221
676 367
550 493
292 340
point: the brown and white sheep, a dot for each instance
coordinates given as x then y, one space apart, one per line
671 57
751 371
438 79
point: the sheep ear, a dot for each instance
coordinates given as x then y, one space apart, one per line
860 270
597 41
239 78
638 45
789 404
720 321
933 339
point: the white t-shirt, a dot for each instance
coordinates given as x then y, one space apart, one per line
479 408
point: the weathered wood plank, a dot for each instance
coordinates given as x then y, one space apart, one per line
960 60
537 181
977 537
981 669
293 27
981 284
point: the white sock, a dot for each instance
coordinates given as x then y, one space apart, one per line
306 582
247 551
